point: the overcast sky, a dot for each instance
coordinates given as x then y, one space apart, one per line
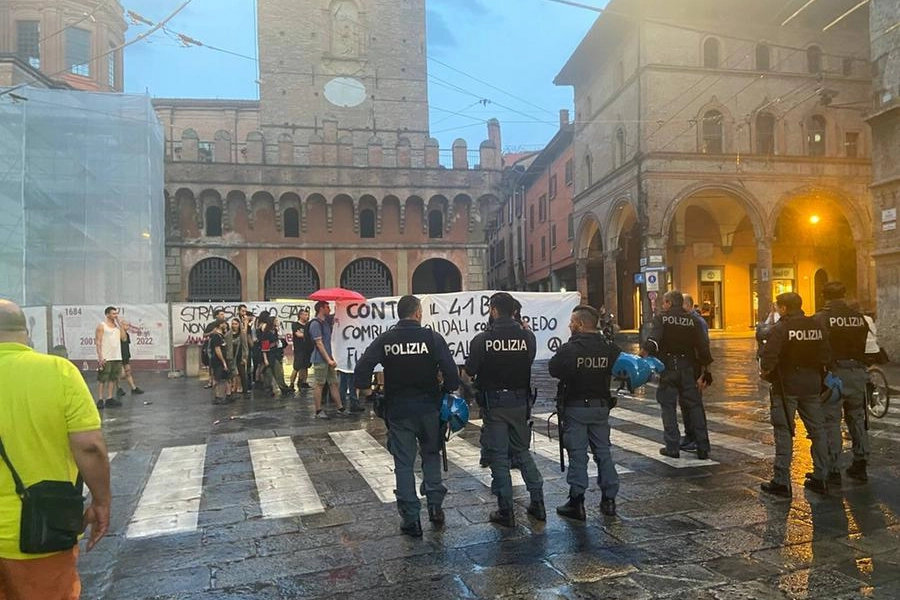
517 46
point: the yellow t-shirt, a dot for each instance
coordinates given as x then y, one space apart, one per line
42 399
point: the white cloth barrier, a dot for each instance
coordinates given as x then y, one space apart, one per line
159 331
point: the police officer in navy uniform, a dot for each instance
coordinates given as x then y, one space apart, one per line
412 356
584 364
793 360
676 337
500 360
846 331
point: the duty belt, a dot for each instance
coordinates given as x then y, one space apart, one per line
505 398
849 363
588 403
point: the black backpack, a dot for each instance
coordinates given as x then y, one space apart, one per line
307 345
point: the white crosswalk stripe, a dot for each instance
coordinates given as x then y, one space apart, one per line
738 444
171 499
546 447
648 448
371 460
284 486
467 457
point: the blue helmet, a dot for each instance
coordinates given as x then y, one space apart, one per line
656 365
832 388
634 370
454 412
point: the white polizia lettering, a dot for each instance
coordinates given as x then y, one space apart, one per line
846 322
805 335
680 321
406 348
592 362
505 346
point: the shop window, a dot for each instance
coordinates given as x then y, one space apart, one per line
816 135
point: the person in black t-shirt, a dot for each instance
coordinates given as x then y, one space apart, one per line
218 364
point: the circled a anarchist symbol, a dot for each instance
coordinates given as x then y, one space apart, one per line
554 343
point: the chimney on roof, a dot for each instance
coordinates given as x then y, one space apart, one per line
563 117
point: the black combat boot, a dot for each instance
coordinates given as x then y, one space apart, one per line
817 485
608 507
776 489
436 515
537 510
412 527
573 509
504 514
856 471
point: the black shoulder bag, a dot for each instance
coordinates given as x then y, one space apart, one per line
52 513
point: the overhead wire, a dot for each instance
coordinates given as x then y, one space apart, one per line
137 39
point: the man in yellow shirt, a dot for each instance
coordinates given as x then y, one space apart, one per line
50 430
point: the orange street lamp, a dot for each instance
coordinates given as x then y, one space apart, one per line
814 219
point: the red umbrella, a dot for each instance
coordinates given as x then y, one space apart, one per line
337 294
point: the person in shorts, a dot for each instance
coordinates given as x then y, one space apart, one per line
302 350
108 341
324 365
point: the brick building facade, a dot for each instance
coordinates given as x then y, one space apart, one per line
723 152
330 178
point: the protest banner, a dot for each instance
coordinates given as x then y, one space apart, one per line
75 328
189 319
457 317
38 332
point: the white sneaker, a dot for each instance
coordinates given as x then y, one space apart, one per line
322 415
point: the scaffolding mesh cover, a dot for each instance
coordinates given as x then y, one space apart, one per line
82 204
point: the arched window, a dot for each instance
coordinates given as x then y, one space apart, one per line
214 280
435 224
813 59
619 158
369 277
588 171
711 53
291 223
815 136
290 278
213 221
763 56
367 223
713 132
765 134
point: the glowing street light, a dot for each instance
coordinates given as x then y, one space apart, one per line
814 219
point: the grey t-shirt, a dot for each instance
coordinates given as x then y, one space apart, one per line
320 329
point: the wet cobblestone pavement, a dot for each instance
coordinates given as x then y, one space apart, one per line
695 531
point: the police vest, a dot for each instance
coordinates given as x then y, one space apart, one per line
410 366
679 333
802 348
594 358
506 363
847 331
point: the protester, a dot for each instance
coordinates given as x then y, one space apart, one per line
324 365
126 365
218 364
49 432
303 347
108 342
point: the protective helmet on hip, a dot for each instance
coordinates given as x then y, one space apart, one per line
454 412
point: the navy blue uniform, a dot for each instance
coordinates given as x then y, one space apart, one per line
411 356
500 360
584 365
677 339
846 330
793 360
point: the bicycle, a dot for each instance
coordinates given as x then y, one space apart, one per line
878 394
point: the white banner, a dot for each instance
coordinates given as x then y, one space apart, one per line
190 319
36 317
457 317
75 327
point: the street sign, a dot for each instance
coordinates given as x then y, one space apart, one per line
652 282
638 278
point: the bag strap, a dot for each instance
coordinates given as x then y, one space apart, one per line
20 487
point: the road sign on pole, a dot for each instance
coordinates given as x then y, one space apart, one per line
652 282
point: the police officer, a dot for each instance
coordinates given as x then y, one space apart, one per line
500 360
793 360
676 338
846 331
584 366
411 356
688 443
